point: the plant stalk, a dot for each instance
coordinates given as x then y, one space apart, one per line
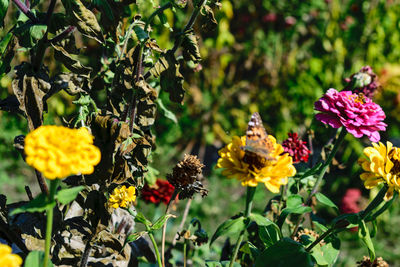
24 9
375 202
49 221
176 192
249 203
153 241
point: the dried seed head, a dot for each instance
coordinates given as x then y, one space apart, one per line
378 262
185 177
307 232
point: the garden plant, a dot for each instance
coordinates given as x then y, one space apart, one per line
120 113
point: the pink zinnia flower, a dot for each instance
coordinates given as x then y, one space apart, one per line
350 201
357 113
161 192
296 148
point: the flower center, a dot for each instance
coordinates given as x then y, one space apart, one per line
394 156
360 98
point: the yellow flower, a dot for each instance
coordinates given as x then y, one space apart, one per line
122 197
382 165
7 259
58 151
273 173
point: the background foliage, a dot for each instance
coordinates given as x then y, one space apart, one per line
275 57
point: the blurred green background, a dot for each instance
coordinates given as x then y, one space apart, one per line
276 57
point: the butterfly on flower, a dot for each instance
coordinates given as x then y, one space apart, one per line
258 146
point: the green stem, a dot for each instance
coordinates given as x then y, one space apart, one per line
319 239
49 221
184 253
374 203
155 13
249 203
324 168
153 241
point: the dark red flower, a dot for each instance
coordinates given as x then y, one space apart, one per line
296 148
160 192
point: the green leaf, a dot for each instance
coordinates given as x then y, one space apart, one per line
331 249
140 33
250 249
36 259
228 227
317 253
3 10
134 237
260 220
38 204
141 219
312 171
284 253
325 200
220 264
66 196
294 201
37 31
4 42
294 204
167 113
104 7
321 226
363 234
160 222
269 235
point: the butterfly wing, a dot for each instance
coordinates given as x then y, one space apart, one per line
257 140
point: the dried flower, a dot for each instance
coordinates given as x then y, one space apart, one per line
382 165
357 113
122 197
58 151
161 192
296 148
185 177
365 81
7 259
307 232
378 262
350 201
273 173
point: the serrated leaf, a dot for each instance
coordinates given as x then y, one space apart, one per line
160 222
36 259
66 196
167 113
230 226
3 11
285 253
325 200
84 19
38 204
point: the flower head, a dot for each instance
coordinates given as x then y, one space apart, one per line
382 165
357 113
378 262
273 173
7 259
122 197
161 192
58 151
185 177
365 81
350 201
296 148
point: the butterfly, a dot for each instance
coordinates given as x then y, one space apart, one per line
257 141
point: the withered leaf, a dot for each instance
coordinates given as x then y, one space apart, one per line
30 89
69 62
211 23
72 83
83 19
190 47
146 108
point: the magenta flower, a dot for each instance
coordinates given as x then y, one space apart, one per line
357 113
296 148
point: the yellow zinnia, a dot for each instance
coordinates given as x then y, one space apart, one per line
58 151
7 259
382 165
273 173
122 197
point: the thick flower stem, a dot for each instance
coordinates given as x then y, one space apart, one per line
153 241
323 169
249 203
374 203
49 220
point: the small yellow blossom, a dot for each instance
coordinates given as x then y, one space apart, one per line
122 197
273 173
7 259
58 151
382 165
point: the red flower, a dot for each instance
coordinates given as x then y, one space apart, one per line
160 192
296 148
